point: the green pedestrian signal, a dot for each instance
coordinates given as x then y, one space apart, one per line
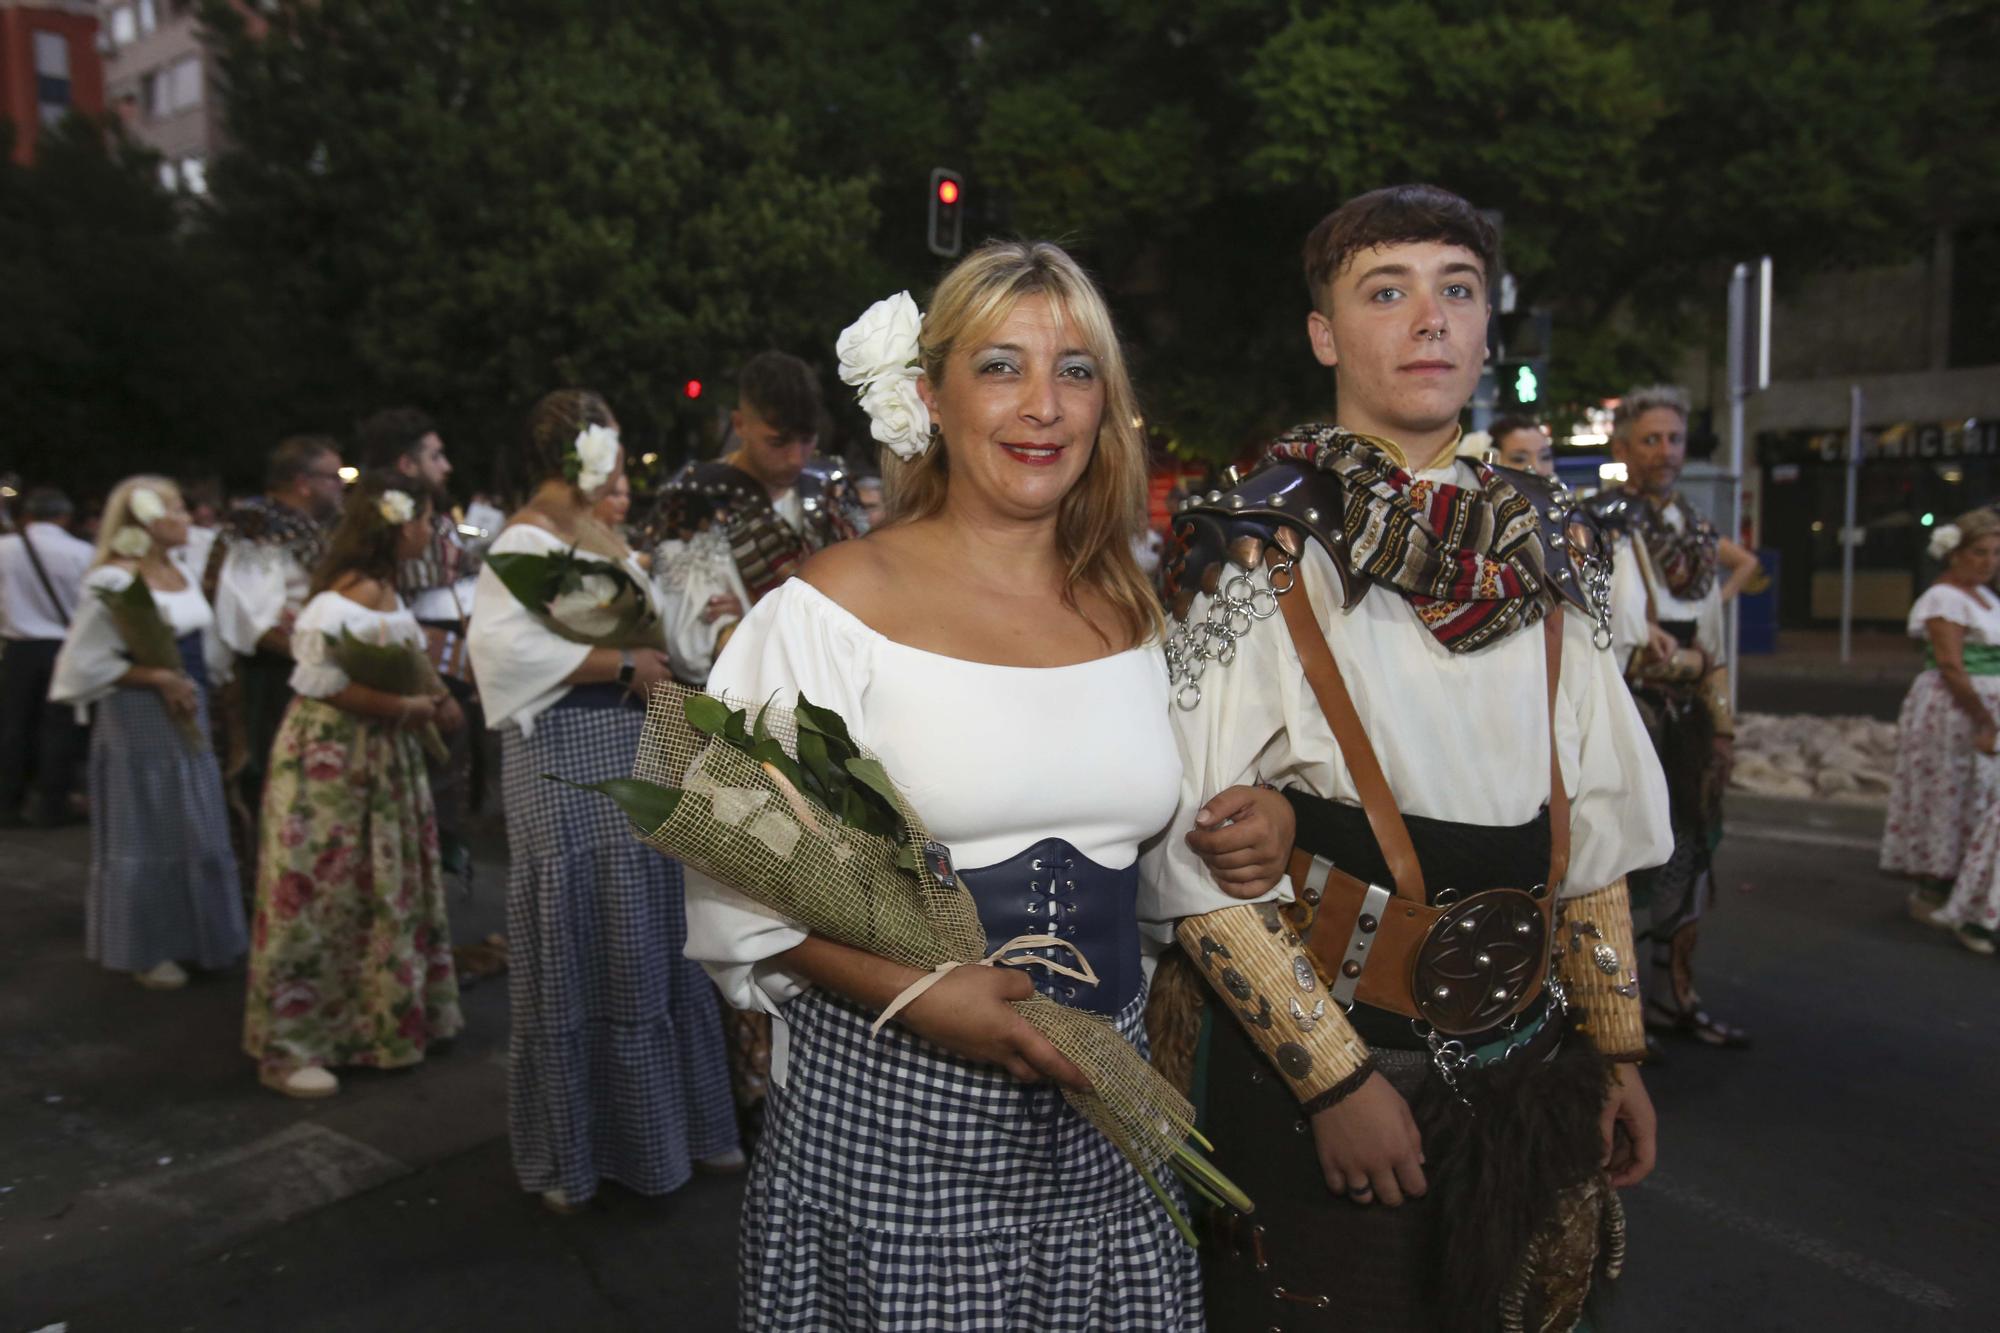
1526 387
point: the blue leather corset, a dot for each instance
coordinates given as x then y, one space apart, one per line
1054 889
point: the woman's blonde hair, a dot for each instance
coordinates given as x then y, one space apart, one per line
118 511
1106 509
1971 526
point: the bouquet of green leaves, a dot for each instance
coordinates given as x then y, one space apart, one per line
584 598
149 642
393 668
789 810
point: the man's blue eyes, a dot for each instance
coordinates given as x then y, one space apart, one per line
1457 290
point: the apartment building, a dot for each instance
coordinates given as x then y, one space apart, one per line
157 79
49 67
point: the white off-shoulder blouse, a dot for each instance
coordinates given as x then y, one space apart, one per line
316 674
993 758
522 665
93 655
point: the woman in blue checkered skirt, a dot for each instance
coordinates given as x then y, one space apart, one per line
996 645
617 1069
163 887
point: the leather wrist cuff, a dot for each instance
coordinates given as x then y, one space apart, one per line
1262 974
1598 965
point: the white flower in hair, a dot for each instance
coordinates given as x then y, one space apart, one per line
146 505
878 355
1944 540
396 508
897 416
589 607
131 541
596 451
882 342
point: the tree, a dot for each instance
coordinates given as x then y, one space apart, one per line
125 341
466 203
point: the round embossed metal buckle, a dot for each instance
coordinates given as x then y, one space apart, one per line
1481 962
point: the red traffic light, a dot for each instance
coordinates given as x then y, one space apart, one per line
947 191
692 388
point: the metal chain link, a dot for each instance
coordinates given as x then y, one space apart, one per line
1239 603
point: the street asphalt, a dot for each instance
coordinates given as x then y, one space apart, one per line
1839 1176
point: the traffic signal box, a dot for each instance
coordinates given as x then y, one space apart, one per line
947 212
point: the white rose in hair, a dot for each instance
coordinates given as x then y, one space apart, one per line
1944 540
397 508
882 343
131 542
896 414
146 505
588 608
596 456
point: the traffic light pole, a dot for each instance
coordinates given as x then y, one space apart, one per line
1749 372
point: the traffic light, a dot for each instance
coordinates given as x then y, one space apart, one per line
692 389
947 216
1520 384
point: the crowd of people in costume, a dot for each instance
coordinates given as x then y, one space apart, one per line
1282 802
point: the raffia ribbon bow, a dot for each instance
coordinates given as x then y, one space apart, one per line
1017 952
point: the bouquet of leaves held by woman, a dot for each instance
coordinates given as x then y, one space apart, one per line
149 642
789 810
393 668
584 598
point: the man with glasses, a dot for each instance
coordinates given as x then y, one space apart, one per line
258 578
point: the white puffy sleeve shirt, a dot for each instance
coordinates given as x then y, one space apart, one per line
522 665
1460 736
257 584
993 758
686 574
93 656
316 675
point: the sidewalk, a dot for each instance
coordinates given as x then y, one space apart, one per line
136 1135
1806 674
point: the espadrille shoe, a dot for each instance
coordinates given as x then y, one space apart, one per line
307 1083
162 976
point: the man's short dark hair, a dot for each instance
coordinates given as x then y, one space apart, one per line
782 390
1503 426
1394 215
391 434
46 504
294 457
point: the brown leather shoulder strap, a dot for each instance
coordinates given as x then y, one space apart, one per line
1323 674
1552 648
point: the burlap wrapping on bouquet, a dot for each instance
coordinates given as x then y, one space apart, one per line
736 825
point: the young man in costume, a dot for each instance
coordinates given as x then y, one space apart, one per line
437 586
1426 1086
1672 575
731 529
259 573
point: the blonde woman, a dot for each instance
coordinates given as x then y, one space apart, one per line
1947 731
350 959
996 644
616 1066
162 889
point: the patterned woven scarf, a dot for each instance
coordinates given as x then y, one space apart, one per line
1685 558
1470 561
265 522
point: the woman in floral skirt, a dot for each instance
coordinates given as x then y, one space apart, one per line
1944 789
350 952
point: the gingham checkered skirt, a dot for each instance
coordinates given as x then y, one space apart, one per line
163 882
617 1067
897 1187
